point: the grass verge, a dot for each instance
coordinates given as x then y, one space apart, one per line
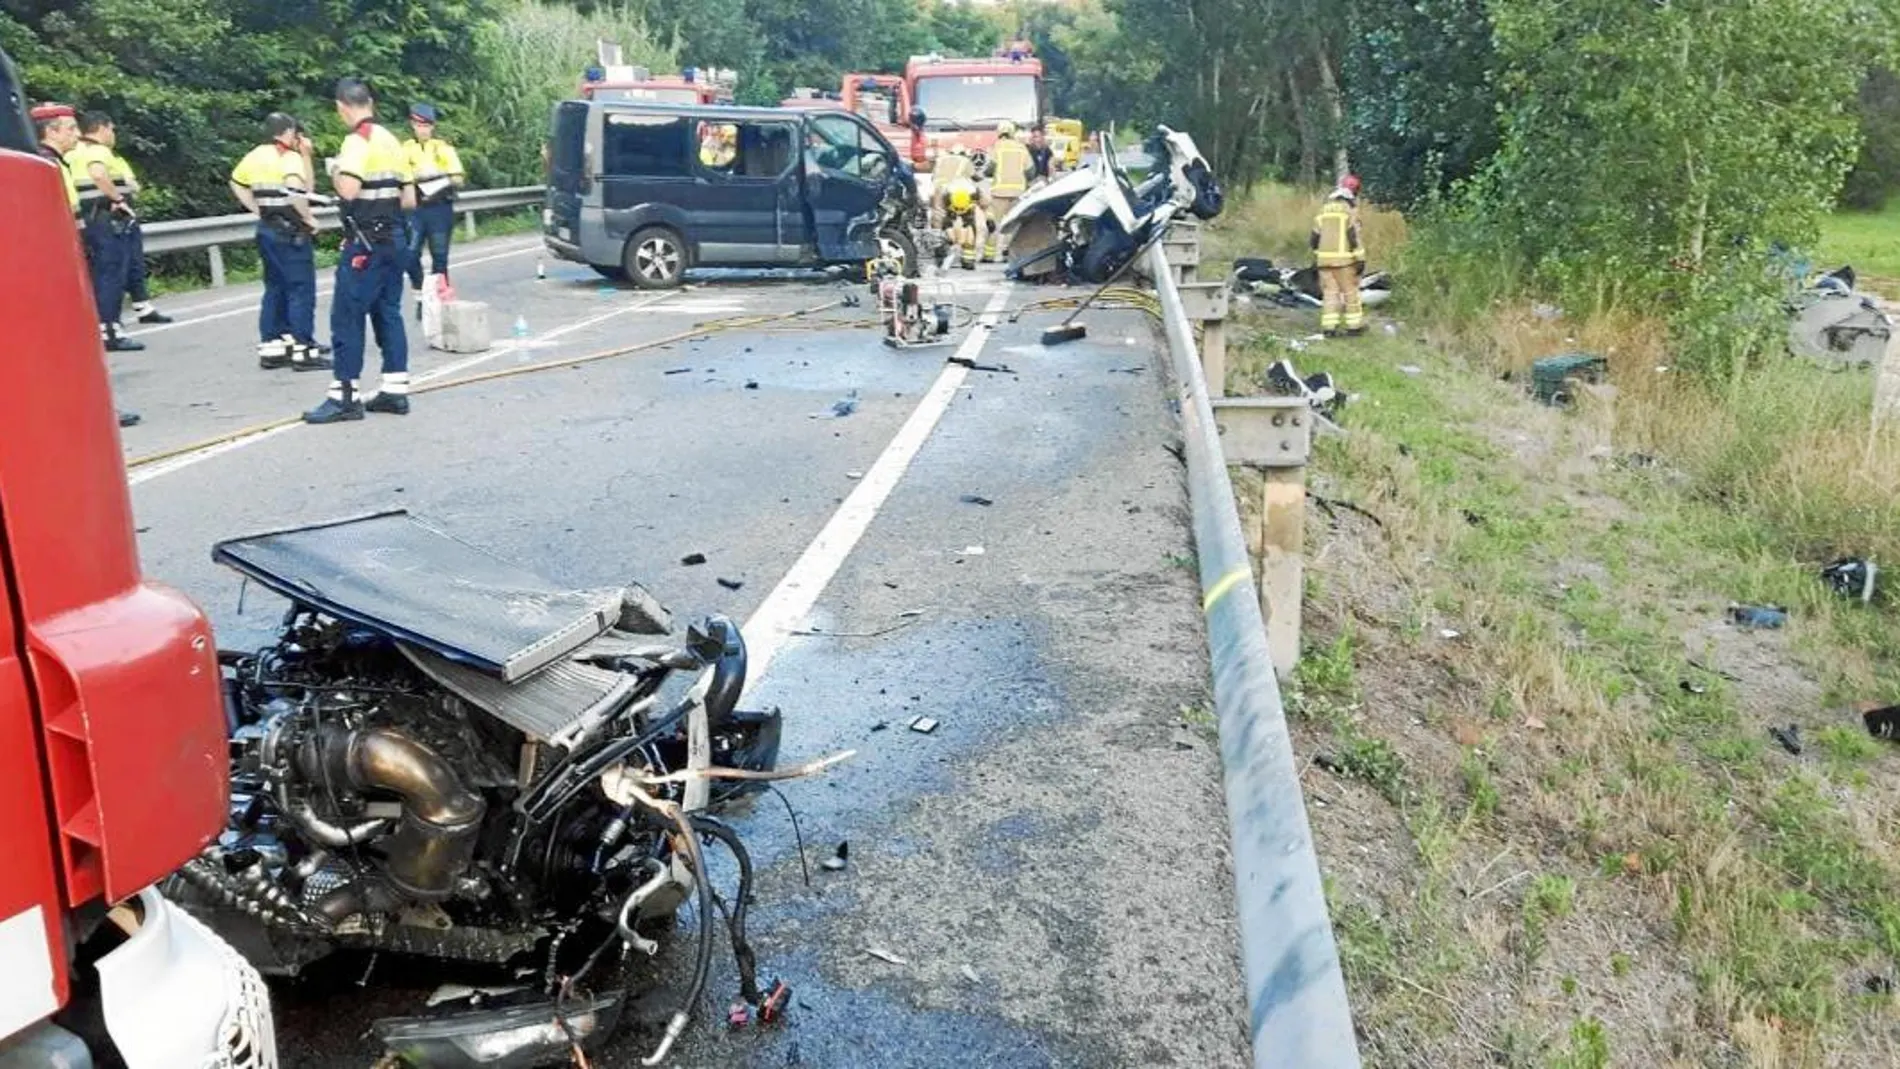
1556 829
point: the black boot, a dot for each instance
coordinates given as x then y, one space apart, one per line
272 355
119 343
147 312
390 404
338 407
307 358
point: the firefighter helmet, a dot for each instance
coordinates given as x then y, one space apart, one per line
1006 128
962 195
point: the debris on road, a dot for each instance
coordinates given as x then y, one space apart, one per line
977 365
1692 687
677 370
854 475
976 499
1411 369
1851 577
971 975
972 551
752 384
692 559
731 584
1757 617
836 862
1135 369
845 405
881 725
885 956
1789 738
737 1014
923 725
772 1007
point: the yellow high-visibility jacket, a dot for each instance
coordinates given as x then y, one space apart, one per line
1335 239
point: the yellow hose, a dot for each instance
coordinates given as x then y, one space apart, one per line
710 327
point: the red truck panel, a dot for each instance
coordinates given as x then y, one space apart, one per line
128 708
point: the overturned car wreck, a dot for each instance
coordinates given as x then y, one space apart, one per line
447 756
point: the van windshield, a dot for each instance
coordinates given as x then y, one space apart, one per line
973 101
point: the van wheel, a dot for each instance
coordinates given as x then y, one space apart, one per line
895 244
611 272
655 258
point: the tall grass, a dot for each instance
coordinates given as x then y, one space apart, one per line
533 54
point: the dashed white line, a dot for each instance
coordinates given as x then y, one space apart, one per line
157 469
785 609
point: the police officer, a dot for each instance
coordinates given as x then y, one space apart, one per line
107 217
271 182
58 130
372 180
437 169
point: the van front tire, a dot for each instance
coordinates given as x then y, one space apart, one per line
897 243
655 258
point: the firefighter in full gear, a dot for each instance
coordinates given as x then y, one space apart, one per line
437 169
719 147
963 220
271 182
373 187
954 163
1338 254
106 219
1010 167
58 129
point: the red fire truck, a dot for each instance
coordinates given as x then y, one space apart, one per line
636 84
960 101
884 100
112 734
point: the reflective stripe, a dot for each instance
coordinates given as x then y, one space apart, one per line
1336 246
1012 167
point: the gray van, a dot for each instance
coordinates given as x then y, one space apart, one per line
642 192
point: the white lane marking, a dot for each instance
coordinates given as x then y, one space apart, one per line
789 604
249 301
148 472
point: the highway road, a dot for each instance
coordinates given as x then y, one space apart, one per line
1049 867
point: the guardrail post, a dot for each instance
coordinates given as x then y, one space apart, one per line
1206 304
217 264
1275 435
470 216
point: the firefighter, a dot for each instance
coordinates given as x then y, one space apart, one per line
437 170
107 219
1010 167
719 146
963 220
373 186
1339 256
954 164
58 129
270 181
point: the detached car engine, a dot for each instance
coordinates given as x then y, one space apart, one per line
444 756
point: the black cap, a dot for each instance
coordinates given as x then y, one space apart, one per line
424 112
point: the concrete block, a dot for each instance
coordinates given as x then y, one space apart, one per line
464 328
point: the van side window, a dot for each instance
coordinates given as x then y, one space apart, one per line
646 146
839 145
747 149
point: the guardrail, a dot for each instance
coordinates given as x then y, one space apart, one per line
213 233
1296 995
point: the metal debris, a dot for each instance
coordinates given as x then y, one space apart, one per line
923 725
885 956
692 559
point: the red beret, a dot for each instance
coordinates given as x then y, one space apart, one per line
52 111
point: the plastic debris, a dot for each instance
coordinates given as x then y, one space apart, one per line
752 384
1789 738
693 558
731 584
836 862
1851 577
976 499
881 725
773 1006
973 551
1551 376
1411 369
845 406
737 1015
885 956
923 725
970 975
677 370
1757 617
1883 723
521 326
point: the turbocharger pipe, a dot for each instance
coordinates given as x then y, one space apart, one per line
441 817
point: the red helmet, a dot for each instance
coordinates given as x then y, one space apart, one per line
1350 183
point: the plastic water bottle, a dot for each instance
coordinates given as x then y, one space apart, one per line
521 339
521 326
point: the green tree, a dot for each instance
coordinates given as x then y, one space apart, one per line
1422 107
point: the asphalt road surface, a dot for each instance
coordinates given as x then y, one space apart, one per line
1049 866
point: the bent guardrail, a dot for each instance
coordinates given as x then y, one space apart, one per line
1296 995
214 232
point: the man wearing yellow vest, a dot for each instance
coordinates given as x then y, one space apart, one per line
373 188
437 169
272 182
58 129
107 219
1011 165
1339 255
